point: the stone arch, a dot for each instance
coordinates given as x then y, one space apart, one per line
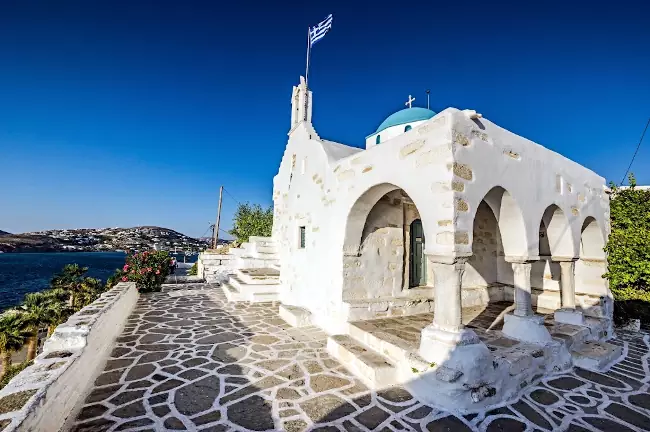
358 215
510 219
558 239
592 242
376 244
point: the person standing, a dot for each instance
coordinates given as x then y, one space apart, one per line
173 265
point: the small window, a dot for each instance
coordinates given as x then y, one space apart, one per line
302 237
378 139
407 128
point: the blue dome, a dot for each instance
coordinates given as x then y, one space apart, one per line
407 115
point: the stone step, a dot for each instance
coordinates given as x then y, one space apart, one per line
232 293
294 315
392 347
257 287
374 369
259 276
258 297
595 355
568 334
265 249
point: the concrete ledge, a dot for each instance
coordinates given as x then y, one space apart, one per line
52 390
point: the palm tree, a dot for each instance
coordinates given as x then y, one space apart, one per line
59 308
69 280
13 334
37 312
87 292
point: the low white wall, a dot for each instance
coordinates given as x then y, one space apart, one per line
56 385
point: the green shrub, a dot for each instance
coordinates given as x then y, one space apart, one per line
194 270
628 252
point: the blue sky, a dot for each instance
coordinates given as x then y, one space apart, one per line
123 113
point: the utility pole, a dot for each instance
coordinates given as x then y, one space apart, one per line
215 237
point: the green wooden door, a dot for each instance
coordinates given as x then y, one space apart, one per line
417 263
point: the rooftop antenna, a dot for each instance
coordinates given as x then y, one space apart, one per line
428 91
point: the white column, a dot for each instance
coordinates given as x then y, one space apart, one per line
447 279
446 333
568 284
521 272
568 314
523 324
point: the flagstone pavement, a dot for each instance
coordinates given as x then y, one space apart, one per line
189 360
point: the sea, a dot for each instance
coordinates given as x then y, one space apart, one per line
22 273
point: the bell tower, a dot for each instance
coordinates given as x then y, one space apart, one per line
301 100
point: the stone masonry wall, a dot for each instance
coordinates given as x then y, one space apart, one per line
47 395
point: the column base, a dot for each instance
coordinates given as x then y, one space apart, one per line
569 316
437 345
526 328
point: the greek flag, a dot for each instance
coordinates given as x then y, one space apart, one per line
317 32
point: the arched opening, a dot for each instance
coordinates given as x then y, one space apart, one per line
384 233
592 243
407 128
592 263
555 240
498 231
378 139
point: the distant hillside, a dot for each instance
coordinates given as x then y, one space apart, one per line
3 233
100 239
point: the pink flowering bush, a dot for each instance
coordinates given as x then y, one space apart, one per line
147 269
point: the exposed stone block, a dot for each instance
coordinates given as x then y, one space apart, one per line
512 154
366 169
461 205
480 135
457 186
445 222
575 211
459 138
461 170
411 148
461 237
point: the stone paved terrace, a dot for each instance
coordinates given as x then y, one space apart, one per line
188 360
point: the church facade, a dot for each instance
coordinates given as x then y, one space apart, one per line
440 215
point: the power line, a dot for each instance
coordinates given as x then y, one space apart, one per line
230 195
635 152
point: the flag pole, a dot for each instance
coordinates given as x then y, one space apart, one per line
308 55
307 75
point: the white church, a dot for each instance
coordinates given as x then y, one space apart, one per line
450 255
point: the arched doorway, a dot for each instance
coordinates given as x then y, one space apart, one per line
384 247
417 259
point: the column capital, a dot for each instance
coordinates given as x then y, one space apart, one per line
521 259
563 259
447 259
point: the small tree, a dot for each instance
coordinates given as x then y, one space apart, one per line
628 251
13 335
251 220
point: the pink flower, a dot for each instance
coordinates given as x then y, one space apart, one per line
124 279
157 271
149 269
126 267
